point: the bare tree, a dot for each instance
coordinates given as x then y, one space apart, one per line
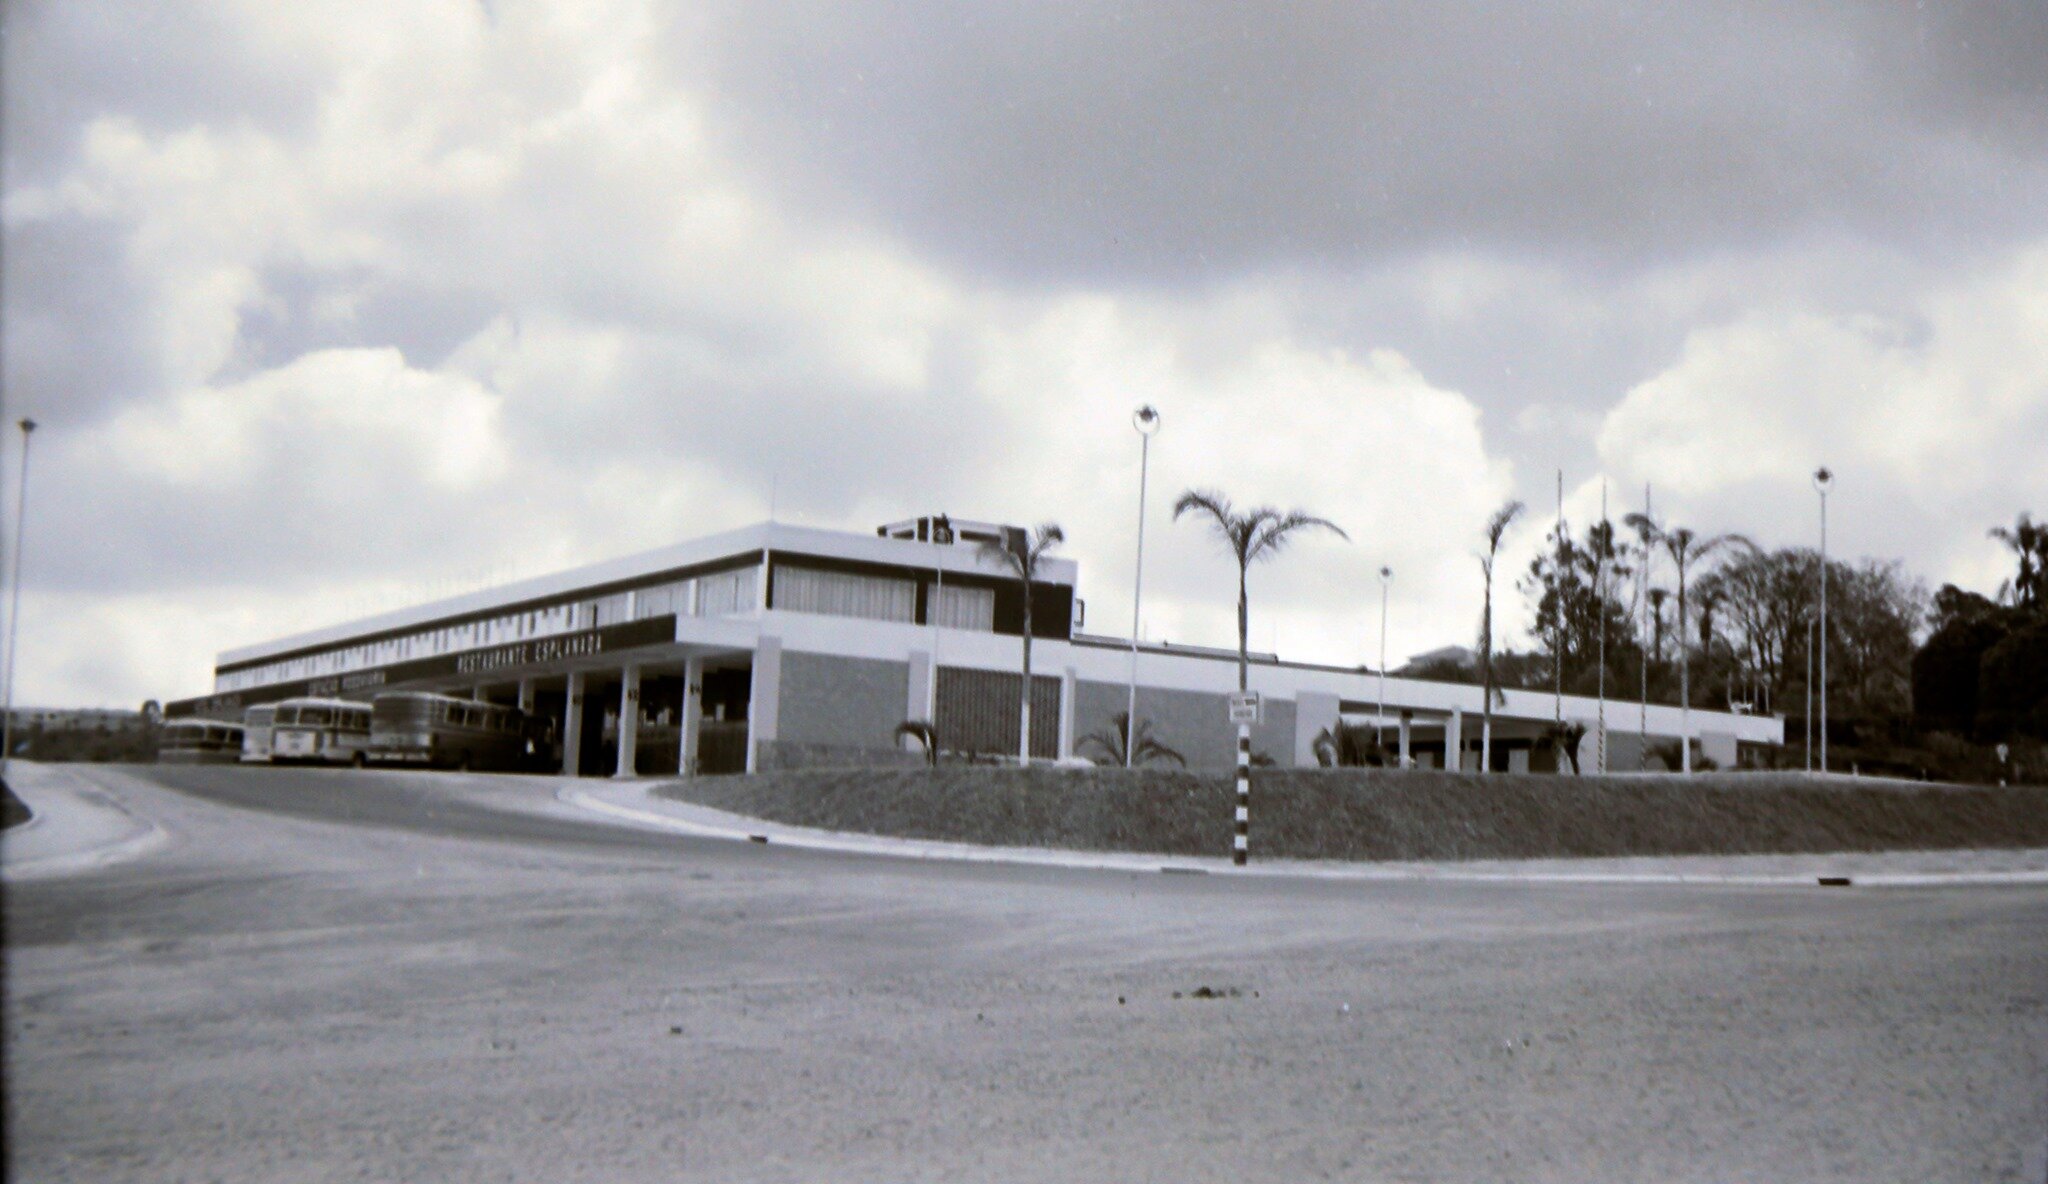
1023 554
1259 533
1496 526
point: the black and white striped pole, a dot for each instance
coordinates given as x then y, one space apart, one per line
1242 851
1244 709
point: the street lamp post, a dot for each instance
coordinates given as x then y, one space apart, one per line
1809 696
1146 420
1379 715
1822 481
14 610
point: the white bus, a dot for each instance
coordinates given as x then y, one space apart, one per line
198 742
256 733
320 731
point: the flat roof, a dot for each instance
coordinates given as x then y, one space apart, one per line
771 537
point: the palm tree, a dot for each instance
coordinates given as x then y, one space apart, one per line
1116 740
1258 533
1023 554
1564 738
926 735
1657 598
1686 548
2029 541
1496 526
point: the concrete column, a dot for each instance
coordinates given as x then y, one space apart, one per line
917 693
693 715
764 699
1454 740
572 725
1067 679
526 695
1407 719
629 722
1314 712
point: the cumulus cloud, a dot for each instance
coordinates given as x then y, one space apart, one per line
328 307
665 352
1933 420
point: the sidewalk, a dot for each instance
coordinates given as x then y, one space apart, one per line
636 802
76 827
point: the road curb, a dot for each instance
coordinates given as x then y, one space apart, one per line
133 836
763 832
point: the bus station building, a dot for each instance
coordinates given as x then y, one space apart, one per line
779 646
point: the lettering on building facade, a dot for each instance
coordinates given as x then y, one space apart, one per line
627 635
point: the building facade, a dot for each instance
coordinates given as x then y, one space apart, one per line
779 646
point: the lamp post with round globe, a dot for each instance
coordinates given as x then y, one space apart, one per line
1146 420
1379 716
1823 480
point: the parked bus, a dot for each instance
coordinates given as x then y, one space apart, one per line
199 742
320 731
442 731
256 733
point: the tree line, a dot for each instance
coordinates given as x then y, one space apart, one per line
1647 609
1916 683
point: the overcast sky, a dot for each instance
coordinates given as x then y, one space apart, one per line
327 308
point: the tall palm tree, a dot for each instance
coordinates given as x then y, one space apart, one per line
1686 549
1496 526
1259 533
1022 555
2029 541
1657 598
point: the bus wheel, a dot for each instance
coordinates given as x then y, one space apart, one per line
462 763
359 761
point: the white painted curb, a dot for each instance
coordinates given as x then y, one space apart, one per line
879 846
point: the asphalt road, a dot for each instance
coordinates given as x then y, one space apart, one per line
411 977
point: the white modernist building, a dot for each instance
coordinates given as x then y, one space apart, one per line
780 646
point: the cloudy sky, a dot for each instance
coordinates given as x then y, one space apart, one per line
331 307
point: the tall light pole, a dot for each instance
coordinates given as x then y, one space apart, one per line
1146 420
14 610
1822 481
1557 607
1379 716
1601 543
1809 696
942 536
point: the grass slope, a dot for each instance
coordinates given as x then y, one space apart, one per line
1383 815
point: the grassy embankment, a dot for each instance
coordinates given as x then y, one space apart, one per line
1382 815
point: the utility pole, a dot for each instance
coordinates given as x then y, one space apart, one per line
14 611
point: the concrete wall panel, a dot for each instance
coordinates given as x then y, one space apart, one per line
844 702
1195 723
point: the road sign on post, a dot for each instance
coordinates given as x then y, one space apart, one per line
1245 707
